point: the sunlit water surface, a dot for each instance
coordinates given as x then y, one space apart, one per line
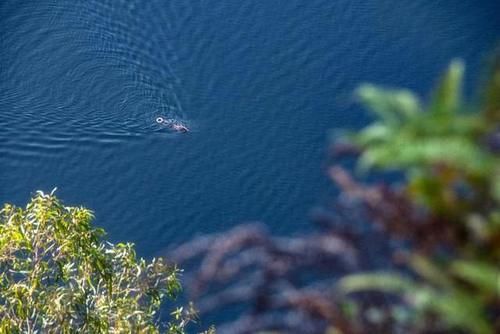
259 83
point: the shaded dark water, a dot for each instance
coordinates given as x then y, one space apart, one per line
259 82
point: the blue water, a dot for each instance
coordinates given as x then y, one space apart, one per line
260 83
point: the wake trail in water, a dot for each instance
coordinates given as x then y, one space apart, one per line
85 70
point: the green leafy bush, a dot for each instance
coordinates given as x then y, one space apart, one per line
447 210
57 275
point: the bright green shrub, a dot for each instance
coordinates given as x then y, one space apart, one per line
57 275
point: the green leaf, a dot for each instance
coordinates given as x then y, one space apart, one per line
461 311
448 94
379 281
430 271
456 309
484 276
392 106
491 104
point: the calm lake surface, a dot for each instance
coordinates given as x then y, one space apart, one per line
260 83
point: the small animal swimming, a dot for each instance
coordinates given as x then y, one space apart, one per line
180 128
172 124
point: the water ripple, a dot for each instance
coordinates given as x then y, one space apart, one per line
59 58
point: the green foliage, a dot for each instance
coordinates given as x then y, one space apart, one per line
57 275
441 132
491 95
449 154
